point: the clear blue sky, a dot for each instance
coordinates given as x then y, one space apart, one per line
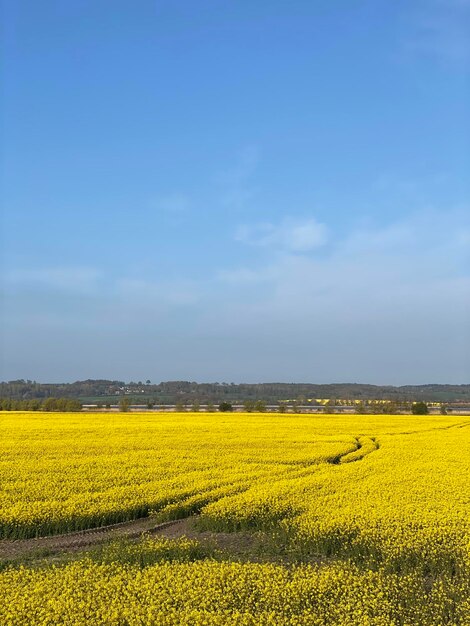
244 190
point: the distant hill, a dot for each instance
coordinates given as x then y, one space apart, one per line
183 391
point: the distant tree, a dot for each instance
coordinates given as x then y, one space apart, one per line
249 405
419 408
443 409
196 407
225 406
50 404
260 406
282 408
179 407
374 407
330 406
210 407
360 408
124 405
147 382
108 406
73 405
295 407
150 404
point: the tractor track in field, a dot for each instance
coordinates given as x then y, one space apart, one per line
365 446
82 539
57 548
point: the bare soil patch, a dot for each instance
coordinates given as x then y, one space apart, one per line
239 545
72 542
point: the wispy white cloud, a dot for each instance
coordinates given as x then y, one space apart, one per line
409 277
290 234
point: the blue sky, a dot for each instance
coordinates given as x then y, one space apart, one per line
236 191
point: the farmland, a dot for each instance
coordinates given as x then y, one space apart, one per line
359 519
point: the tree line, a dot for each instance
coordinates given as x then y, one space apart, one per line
171 392
49 404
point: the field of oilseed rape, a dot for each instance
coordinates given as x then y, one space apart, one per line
361 520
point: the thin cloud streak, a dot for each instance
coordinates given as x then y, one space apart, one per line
290 234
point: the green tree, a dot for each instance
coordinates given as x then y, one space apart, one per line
260 406
196 407
210 408
50 404
124 405
419 408
225 406
73 405
249 405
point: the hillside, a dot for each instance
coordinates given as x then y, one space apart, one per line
184 391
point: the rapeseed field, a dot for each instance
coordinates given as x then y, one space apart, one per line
368 518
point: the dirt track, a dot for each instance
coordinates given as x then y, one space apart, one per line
70 542
238 543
